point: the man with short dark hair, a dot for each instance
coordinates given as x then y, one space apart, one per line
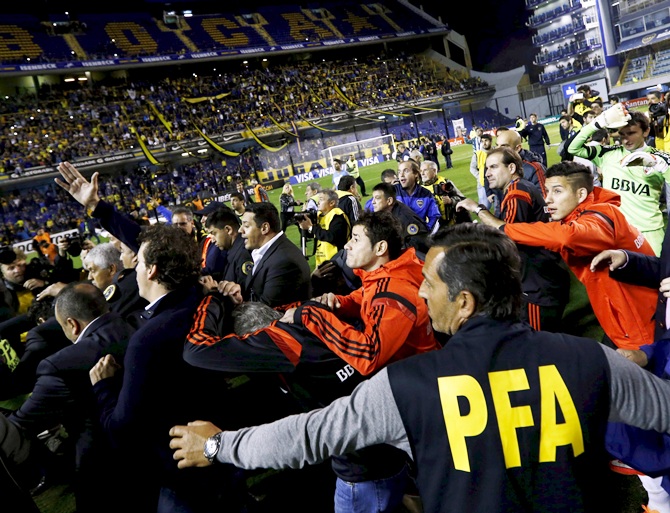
338 172
348 198
393 321
224 229
280 274
587 221
237 204
414 229
502 418
536 135
410 192
63 395
545 281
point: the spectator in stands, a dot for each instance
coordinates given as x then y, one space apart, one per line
281 273
348 198
410 192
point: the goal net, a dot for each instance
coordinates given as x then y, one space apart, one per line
366 151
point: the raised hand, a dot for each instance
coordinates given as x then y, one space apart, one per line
85 192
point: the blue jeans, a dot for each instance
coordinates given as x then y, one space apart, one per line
380 496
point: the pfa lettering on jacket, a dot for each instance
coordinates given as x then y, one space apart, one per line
559 421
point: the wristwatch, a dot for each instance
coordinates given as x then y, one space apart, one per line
479 209
212 446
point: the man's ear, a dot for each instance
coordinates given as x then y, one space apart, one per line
382 248
152 272
75 326
582 194
467 305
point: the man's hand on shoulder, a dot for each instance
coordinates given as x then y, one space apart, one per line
188 443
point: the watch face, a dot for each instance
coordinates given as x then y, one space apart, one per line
211 447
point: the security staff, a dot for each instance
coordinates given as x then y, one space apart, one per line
502 419
352 167
333 230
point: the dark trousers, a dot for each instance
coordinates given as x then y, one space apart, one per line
361 184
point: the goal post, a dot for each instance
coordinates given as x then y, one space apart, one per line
366 151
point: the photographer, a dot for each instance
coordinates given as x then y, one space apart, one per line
333 229
20 283
658 115
446 194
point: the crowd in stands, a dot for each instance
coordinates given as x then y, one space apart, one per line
136 194
62 123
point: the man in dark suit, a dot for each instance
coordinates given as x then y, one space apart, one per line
63 395
281 274
138 406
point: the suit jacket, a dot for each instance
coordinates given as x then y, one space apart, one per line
63 395
41 341
282 276
157 390
124 297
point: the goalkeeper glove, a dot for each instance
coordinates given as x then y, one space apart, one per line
656 162
614 117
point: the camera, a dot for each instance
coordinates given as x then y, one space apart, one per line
443 189
312 215
658 110
75 244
